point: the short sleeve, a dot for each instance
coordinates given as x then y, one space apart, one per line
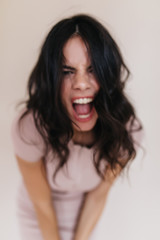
28 144
137 135
138 138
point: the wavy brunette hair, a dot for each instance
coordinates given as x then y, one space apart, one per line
116 116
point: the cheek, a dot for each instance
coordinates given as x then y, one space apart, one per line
97 86
66 87
65 94
63 89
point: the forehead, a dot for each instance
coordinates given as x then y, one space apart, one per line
75 52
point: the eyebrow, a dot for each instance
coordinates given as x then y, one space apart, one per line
73 69
69 68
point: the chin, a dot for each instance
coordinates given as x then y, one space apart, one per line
84 127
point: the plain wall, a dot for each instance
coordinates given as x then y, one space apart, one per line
133 206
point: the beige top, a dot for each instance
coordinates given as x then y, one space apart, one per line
75 178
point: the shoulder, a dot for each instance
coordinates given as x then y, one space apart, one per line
27 141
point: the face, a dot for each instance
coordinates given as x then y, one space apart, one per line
79 85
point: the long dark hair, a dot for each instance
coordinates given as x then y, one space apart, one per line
116 116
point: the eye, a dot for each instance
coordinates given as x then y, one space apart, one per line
90 69
67 73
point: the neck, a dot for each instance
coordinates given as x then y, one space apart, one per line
84 138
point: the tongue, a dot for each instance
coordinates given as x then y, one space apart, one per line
82 109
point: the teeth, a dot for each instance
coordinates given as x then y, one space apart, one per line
83 101
83 116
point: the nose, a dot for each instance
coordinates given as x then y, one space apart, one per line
81 82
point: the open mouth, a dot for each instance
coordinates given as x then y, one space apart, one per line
83 107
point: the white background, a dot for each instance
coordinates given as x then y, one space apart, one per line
133 207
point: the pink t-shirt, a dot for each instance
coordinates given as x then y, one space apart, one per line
75 178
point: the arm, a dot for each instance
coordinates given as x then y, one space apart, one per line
93 206
34 175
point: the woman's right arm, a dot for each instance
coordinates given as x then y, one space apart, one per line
34 175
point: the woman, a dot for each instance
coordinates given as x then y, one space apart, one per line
75 134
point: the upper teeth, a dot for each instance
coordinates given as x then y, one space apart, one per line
83 100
